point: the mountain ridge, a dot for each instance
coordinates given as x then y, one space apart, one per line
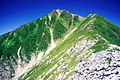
44 39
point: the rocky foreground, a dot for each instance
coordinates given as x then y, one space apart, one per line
103 65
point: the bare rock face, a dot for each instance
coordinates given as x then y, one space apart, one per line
103 65
6 70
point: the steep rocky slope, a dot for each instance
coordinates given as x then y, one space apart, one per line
62 46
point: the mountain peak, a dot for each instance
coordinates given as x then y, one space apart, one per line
59 41
64 14
59 10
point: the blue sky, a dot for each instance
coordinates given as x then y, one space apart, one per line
14 13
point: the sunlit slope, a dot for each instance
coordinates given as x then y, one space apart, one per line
18 46
94 35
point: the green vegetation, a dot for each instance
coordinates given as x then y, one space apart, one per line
59 31
100 45
101 27
35 37
107 30
60 52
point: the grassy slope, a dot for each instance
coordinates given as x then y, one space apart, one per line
54 55
100 26
35 36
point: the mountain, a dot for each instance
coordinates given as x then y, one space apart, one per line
61 46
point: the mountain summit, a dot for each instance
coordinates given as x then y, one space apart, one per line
61 46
